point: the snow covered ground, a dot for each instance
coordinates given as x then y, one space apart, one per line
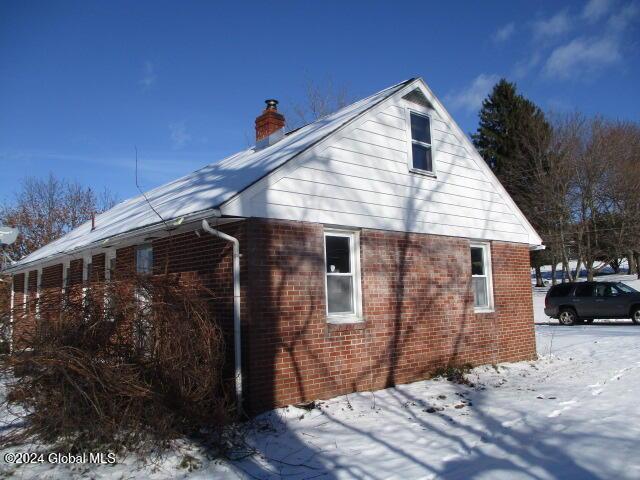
573 414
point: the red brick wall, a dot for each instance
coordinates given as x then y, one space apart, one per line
50 292
75 272
125 261
52 277
98 268
285 359
208 260
417 305
207 257
514 302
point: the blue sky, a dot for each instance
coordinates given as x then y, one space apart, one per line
82 83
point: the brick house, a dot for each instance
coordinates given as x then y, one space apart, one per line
374 246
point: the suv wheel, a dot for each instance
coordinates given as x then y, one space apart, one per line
568 317
635 315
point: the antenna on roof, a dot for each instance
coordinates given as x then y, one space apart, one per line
8 236
143 194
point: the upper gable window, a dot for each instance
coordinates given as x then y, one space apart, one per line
421 152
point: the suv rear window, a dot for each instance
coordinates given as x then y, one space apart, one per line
560 290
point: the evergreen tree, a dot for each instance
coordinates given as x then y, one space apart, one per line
495 125
513 137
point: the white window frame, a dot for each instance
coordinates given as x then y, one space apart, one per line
354 259
66 270
411 141
86 261
27 291
108 256
488 274
38 291
108 277
139 247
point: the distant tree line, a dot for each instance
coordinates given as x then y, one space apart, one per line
576 178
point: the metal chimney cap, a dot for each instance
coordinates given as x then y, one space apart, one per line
272 104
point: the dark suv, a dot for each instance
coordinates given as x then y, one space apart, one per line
571 303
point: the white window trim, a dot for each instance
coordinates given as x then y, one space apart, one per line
66 270
66 267
25 296
410 141
38 292
86 261
11 312
108 256
138 247
354 256
486 256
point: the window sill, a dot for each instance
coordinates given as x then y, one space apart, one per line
484 310
424 173
347 320
345 325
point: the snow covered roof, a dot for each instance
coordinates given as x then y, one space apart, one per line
206 188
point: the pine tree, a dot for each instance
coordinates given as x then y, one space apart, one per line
492 137
513 137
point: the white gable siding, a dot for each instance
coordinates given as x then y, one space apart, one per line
360 177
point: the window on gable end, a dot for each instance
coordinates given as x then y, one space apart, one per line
421 148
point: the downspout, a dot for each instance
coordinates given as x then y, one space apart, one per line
236 307
11 313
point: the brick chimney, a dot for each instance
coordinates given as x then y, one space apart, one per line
270 121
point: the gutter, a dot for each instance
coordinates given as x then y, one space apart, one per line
108 241
237 344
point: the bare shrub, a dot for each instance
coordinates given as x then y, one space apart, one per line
129 363
454 373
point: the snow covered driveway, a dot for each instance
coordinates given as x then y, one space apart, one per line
573 414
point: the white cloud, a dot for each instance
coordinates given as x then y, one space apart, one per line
504 32
619 21
471 97
582 56
179 135
149 76
551 27
595 9
523 67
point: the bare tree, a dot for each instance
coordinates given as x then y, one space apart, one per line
321 98
623 196
45 209
591 207
606 181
